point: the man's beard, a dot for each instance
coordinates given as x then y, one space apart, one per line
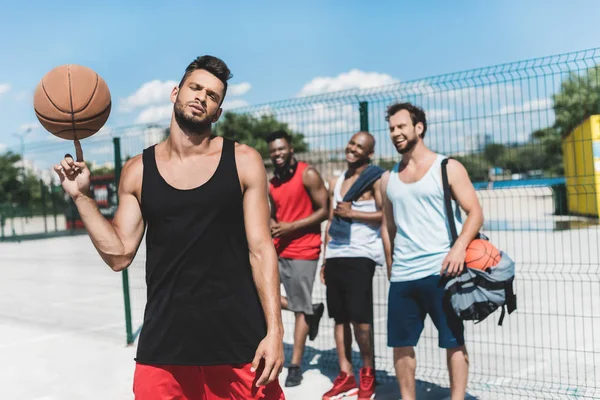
189 123
410 144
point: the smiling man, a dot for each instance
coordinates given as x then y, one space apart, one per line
418 247
353 249
299 205
212 324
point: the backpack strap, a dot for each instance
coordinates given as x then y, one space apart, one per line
448 200
511 297
478 281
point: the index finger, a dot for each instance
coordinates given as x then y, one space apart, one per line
78 150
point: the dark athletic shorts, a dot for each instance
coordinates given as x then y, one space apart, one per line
350 289
410 302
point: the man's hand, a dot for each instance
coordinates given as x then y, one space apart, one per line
322 274
270 350
74 175
279 229
454 262
343 210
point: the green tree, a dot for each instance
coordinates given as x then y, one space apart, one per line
523 158
550 142
11 185
252 131
578 98
475 165
493 152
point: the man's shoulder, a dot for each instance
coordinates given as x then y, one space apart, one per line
247 155
132 173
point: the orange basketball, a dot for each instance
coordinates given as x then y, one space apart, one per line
72 102
481 254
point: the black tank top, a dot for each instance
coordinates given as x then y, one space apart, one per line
202 305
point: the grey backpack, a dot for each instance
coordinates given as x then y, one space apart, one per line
475 294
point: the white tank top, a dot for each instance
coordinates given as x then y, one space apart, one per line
365 239
422 231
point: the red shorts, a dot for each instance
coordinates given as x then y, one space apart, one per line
182 382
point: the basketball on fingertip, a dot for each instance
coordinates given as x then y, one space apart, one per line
72 102
481 254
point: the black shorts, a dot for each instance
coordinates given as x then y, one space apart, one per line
350 289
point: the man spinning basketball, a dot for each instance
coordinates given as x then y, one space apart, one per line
212 325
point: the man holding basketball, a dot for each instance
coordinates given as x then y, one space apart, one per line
416 238
212 325
299 205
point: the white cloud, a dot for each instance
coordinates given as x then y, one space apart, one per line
533 105
239 89
29 126
104 132
4 88
155 114
150 93
2 148
235 103
354 79
434 114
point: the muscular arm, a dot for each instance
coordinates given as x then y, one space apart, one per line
464 193
117 242
263 260
318 194
388 225
263 257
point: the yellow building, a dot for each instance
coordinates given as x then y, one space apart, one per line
581 157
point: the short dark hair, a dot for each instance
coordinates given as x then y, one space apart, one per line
280 134
416 114
214 65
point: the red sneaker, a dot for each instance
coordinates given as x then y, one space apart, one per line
343 386
367 384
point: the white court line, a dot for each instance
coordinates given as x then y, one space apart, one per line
59 335
85 299
520 374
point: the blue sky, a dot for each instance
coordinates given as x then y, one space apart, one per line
276 50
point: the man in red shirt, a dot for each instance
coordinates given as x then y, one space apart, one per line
299 205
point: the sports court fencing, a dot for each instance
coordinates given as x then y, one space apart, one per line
508 124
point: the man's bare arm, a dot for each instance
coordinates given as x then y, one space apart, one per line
263 258
388 225
318 194
466 196
464 193
116 242
371 217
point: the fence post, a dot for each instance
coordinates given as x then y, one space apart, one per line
124 273
363 109
43 193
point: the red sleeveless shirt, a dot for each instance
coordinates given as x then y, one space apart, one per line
293 203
